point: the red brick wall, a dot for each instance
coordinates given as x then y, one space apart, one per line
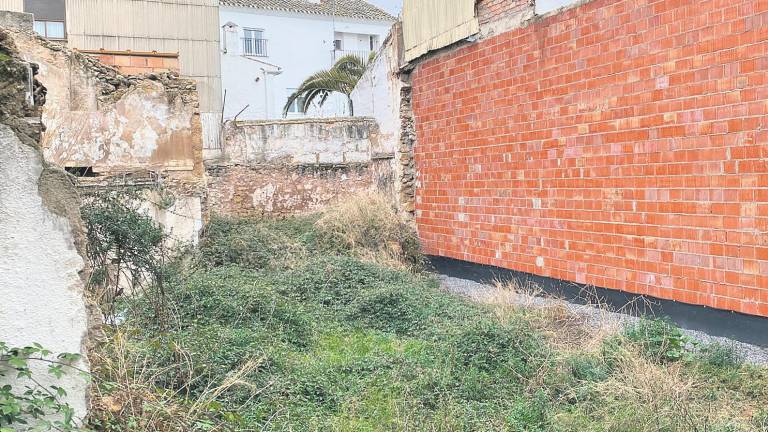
622 143
138 63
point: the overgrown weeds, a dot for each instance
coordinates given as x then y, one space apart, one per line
310 324
368 226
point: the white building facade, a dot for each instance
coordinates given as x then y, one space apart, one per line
269 47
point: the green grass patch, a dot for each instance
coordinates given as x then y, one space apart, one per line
273 331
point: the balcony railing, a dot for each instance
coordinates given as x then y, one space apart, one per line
255 47
363 54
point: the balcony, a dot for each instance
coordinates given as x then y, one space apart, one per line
255 47
363 54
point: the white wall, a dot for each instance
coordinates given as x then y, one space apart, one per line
377 95
298 44
41 290
544 6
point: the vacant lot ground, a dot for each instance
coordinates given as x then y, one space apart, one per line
326 323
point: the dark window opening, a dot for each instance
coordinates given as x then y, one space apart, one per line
81 171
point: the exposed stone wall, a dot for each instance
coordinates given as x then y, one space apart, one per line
273 189
296 166
618 143
41 240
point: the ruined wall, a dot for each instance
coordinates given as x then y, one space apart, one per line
304 141
498 16
618 143
296 166
43 294
137 63
120 129
97 118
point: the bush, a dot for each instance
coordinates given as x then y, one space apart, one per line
588 368
488 345
126 250
254 243
367 226
660 340
239 298
721 355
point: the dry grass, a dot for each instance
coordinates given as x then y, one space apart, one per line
129 400
368 226
566 329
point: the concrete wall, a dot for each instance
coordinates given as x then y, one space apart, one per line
297 44
294 142
41 241
618 143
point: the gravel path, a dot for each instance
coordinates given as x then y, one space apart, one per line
593 317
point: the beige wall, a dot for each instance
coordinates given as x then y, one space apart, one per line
12 5
432 24
189 27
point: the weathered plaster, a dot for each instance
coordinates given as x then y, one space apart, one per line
97 118
40 283
295 142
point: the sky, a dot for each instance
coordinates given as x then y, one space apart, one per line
391 6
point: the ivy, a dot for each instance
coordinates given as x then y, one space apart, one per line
27 404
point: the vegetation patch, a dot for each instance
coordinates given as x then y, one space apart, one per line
307 324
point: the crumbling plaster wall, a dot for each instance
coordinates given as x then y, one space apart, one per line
118 126
383 93
96 117
305 141
41 241
296 166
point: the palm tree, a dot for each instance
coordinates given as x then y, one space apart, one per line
342 77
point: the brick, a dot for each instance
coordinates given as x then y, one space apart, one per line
633 163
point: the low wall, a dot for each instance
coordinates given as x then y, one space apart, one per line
295 166
304 141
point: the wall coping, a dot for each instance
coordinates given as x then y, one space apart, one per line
309 120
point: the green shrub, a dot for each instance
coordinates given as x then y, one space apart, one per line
254 243
488 345
721 355
124 246
588 368
660 340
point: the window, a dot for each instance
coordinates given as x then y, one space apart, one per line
374 42
337 44
254 43
50 29
295 107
